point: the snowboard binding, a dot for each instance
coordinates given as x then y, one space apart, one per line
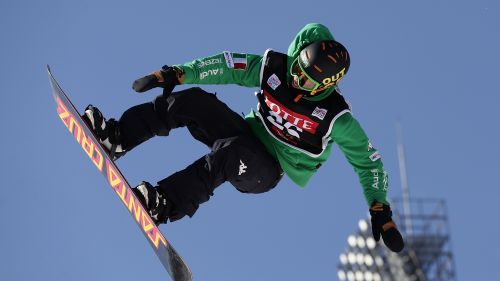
156 203
107 131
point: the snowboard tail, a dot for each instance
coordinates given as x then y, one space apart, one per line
85 137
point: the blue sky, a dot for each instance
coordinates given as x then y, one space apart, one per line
433 65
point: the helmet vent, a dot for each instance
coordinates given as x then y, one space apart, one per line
317 68
332 58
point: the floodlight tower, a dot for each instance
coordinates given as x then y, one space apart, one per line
427 255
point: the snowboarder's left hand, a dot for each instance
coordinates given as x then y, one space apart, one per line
383 225
167 78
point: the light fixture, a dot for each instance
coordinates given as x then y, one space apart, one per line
351 240
363 225
368 276
350 276
360 258
361 242
341 275
368 260
370 243
343 259
359 276
351 257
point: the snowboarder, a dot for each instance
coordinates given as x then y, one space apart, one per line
300 114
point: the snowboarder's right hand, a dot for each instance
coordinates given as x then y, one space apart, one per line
167 78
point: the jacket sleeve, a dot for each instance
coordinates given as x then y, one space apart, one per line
224 68
363 157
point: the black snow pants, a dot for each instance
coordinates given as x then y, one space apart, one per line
236 154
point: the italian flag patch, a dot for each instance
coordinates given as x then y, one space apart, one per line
236 60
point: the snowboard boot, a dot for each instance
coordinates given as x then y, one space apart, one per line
156 203
108 131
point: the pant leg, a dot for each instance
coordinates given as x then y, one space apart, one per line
207 118
244 162
237 155
140 123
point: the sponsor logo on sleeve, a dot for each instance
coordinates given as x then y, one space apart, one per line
380 179
211 72
209 62
235 60
375 156
273 81
229 59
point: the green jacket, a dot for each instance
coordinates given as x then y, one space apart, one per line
244 70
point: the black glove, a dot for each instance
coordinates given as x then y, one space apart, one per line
382 216
167 78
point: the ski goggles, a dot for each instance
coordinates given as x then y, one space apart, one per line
304 81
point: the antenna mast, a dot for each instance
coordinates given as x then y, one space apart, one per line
404 181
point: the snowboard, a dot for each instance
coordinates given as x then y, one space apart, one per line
71 118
